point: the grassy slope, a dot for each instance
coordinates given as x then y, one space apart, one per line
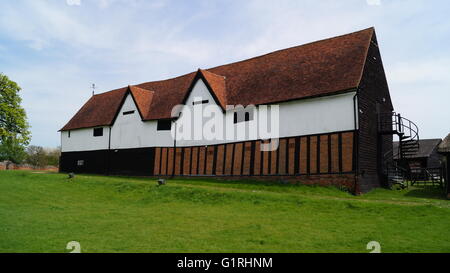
42 212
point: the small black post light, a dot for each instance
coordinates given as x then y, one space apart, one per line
161 182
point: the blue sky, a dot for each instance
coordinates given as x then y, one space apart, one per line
56 49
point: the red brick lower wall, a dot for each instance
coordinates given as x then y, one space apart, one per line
28 168
325 159
346 181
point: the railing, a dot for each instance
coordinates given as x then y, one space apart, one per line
416 176
394 123
397 175
426 176
408 132
411 127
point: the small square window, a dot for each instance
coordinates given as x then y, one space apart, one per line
80 163
238 117
98 132
164 125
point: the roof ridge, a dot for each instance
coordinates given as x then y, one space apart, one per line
114 90
165 80
206 71
145 89
292 47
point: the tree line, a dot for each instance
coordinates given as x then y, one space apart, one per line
40 157
15 132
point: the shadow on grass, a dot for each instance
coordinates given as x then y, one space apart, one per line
426 192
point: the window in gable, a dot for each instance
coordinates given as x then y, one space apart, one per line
128 112
200 102
98 132
68 134
164 125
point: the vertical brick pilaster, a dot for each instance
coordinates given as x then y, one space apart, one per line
164 161
220 159
187 161
194 164
257 163
247 158
201 160
303 157
177 166
209 160
347 152
313 155
324 154
238 158
157 163
291 149
334 153
170 156
228 158
282 156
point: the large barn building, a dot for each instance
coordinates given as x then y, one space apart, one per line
333 101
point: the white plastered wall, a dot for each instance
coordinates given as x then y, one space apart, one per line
300 117
128 131
84 140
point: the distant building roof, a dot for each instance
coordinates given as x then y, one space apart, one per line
444 147
426 147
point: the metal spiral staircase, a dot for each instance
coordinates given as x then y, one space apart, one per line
408 134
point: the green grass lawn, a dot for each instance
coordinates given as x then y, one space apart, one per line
42 212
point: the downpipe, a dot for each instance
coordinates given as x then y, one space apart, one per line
356 142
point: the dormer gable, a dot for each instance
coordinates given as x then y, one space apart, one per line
215 85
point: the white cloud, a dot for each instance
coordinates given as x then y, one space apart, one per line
281 24
420 71
420 90
373 2
73 2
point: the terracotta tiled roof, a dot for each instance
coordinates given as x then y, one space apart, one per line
143 99
317 69
218 86
99 110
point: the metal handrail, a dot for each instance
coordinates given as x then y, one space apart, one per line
412 128
400 124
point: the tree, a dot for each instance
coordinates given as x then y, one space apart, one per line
40 157
36 156
52 155
11 151
14 128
